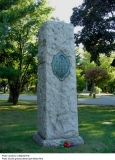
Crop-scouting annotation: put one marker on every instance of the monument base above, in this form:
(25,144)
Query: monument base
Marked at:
(55,142)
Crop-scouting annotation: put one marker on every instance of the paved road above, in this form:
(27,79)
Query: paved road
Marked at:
(103,99)
(21,97)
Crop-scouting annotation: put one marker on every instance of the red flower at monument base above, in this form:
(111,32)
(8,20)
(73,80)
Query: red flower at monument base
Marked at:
(66,144)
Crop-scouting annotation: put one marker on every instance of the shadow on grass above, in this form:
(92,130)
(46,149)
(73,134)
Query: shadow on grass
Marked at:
(22,104)
(19,123)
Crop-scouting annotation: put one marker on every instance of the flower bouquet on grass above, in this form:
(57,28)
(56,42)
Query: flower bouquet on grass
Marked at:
(67,144)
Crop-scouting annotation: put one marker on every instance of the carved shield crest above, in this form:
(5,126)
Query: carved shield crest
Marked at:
(61,65)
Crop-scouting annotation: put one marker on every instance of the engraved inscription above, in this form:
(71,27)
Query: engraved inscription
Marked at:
(61,65)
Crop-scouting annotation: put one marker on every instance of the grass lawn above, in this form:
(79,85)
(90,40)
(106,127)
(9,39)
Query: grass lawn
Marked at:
(87,96)
(19,123)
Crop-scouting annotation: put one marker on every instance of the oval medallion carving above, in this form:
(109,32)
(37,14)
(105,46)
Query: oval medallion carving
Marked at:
(61,65)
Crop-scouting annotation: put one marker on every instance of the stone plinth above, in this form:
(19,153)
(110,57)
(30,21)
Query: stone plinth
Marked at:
(57,97)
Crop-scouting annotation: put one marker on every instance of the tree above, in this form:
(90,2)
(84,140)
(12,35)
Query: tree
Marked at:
(85,63)
(97,18)
(80,80)
(82,66)
(4,5)
(105,63)
(96,76)
(18,52)
(3,83)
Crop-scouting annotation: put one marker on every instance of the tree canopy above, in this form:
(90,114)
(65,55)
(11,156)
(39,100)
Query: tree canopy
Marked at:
(97,18)
(97,75)
(20,22)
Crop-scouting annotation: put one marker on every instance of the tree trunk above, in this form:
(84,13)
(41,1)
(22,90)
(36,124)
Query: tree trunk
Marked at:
(14,95)
(15,99)
(10,99)
(92,89)
(4,89)
(106,89)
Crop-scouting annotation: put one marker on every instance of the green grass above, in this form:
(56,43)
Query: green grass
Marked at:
(86,96)
(19,123)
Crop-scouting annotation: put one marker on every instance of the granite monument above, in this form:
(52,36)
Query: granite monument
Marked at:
(56,90)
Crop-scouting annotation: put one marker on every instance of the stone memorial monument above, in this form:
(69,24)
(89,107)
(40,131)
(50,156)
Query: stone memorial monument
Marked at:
(56,92)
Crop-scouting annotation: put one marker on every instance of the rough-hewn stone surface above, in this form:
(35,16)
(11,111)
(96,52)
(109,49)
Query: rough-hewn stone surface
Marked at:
(57,103)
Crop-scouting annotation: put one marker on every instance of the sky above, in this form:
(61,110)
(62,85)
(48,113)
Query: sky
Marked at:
(63,9)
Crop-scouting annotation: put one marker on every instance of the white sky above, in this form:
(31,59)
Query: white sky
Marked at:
(64,9)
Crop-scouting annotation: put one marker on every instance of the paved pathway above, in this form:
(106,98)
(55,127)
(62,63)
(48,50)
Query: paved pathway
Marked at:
(21,97)
(103,99)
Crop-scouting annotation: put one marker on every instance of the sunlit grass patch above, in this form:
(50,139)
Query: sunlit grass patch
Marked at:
(19,123)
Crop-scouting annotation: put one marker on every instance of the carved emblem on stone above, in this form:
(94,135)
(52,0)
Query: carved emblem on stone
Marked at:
(61,65)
